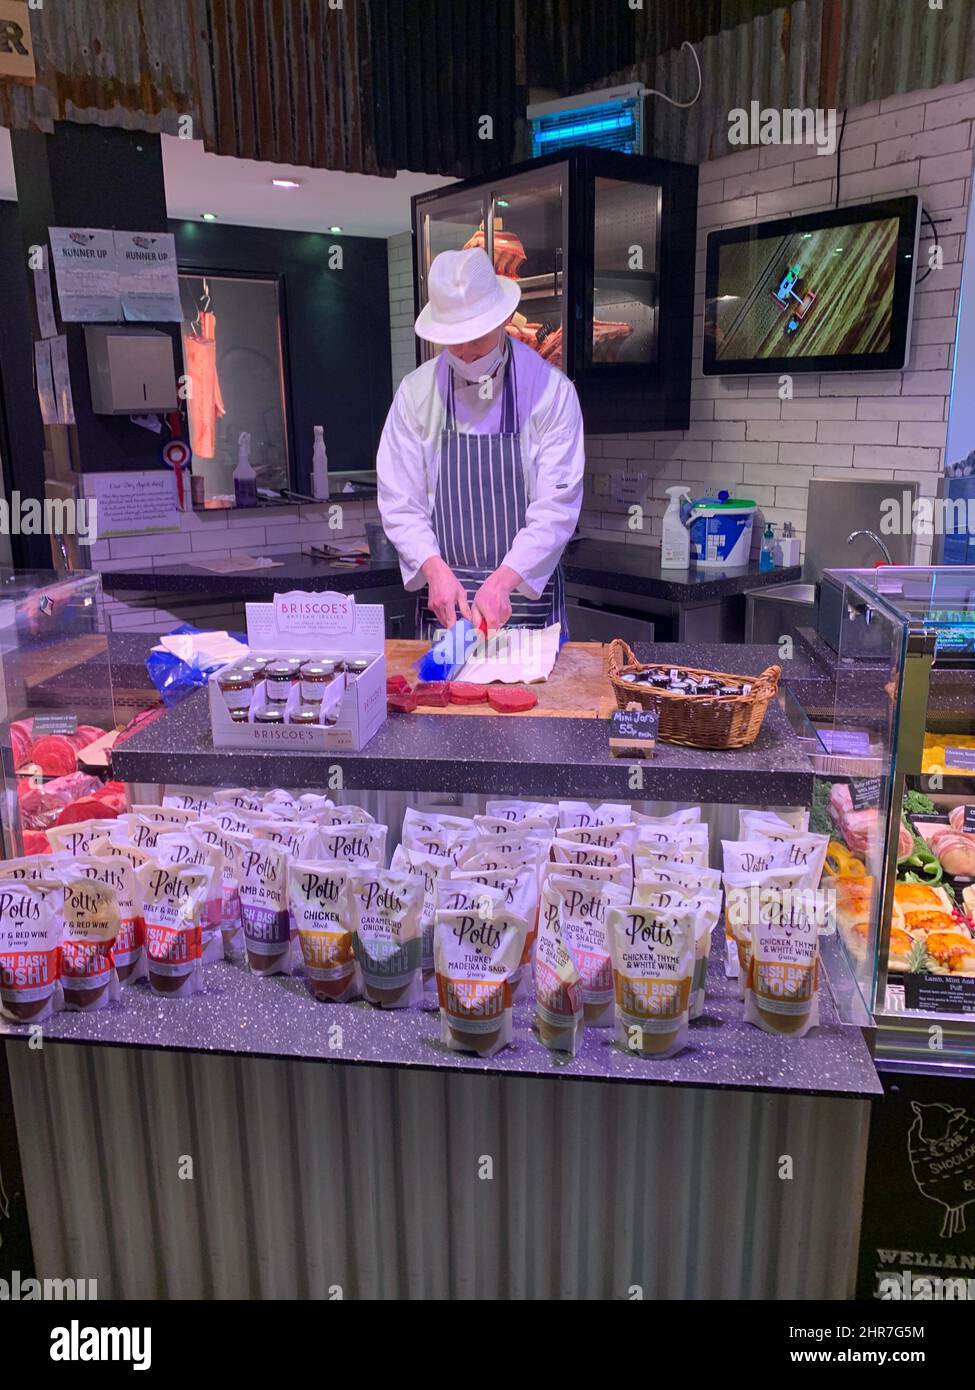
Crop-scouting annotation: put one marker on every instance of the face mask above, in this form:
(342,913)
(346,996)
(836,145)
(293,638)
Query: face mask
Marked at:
(481,366)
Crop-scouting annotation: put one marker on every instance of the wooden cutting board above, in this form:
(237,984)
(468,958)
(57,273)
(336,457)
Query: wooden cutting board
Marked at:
(578,687)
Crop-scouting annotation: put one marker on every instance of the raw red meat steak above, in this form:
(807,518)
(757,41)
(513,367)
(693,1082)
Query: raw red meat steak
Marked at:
(466,693)
(508,699)
(433,693)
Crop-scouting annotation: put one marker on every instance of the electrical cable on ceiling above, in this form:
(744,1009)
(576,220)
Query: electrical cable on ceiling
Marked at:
(653,92)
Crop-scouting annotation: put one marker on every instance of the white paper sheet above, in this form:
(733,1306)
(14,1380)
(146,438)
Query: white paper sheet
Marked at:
(86,272)
(45,381)
(44,298)
(231,564)
(517,655)
(62,380)
(216,647)
(148,282)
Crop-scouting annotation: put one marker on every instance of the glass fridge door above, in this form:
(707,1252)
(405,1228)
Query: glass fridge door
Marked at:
(448,223)
(625,277)
(529,242)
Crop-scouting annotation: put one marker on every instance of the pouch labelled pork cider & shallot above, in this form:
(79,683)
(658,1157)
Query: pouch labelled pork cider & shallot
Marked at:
(388,935)
(475,958)
(322,910)
(30,952)
(119,875)
(264,909)
(91,922)
(173,905)
(580,908)
(559,1013)
(653,971)
(208,834)
(183,848)
(429,869)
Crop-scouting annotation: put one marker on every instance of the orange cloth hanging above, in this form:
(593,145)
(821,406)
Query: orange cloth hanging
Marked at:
(204,402)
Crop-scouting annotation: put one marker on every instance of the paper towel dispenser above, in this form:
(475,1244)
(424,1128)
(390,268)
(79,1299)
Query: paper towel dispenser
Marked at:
(131,369)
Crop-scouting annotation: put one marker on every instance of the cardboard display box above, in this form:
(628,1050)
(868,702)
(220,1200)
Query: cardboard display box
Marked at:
(300,624)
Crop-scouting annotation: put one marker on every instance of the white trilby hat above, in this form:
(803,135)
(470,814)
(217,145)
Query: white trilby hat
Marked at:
(465,298)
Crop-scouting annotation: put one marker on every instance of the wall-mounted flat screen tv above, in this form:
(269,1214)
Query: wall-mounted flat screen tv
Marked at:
(821,292)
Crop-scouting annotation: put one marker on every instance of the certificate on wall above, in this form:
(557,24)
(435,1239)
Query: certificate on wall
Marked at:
(86,274)
(132,504)
(148,282)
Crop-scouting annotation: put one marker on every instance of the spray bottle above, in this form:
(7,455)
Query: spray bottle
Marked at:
(676,541)
(319,466)
(245,479)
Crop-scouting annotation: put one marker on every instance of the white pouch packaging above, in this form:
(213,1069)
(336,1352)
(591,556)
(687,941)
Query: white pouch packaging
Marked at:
(208,835)
(353,844)
(694,878)
(580,907)
(782,991)
(343,815)
(573,814)
(388,935)
(240,798)
(752,856)
(173,902)
(751,898)
(30,951)
(653,972)
(559,1010)
(704,907)
(78,837)
(199,803)
(119,875)
(801,848)
(418,823)
(475,958)
(512,810)
(264,913)
(687,815)
(489,901)
(429,869)
(621,835)
(91,919)
(323,913)
(174,816)
(299,838)
(182,847)
(798,819)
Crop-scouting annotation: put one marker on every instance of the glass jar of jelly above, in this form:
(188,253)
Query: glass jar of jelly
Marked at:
(236,687)
(317,675)
(279,677)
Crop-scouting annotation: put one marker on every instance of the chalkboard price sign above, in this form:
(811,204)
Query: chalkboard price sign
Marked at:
(633,732)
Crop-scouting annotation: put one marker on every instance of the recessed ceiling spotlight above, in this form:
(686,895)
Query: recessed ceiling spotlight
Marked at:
(335,229)
(209,216)
(286,183)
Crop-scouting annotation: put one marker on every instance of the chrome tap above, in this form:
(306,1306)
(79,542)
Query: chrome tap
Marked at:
(888,558)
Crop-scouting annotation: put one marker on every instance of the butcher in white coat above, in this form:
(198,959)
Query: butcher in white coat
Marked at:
(481,461)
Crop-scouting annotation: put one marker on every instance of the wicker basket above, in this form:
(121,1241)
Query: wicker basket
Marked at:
(697,721)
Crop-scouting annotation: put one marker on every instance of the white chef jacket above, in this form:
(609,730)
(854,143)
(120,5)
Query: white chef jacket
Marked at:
(552,451)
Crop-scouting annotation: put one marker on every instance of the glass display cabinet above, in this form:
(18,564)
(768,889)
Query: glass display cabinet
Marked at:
(55,703)
(602,246)
(903,743)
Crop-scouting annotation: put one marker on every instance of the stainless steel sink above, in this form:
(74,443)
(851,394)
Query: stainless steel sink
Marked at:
(778,610)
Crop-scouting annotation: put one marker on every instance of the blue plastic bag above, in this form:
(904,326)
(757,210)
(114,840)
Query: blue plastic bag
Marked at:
(175,679)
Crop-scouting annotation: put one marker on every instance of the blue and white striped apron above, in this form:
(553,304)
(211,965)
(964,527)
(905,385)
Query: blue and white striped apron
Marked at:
(479,508)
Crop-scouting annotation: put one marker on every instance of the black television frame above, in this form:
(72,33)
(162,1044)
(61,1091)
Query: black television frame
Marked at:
(907,209)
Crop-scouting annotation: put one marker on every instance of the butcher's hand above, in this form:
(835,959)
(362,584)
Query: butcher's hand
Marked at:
(492,602)
(445,592)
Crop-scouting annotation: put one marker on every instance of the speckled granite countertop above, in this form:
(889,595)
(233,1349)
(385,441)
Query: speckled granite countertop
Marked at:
(626,569)
(277,1017)
(518,757)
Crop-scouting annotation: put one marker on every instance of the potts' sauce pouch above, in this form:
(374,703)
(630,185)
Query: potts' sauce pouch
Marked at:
(183,848)
(748,820)
(782,990)
(475,958)
(299,838)
(281,803)
(752,856)
(564,851)
(488,902)
(264,909)
(801,848)
(208,835)
(418,823)
(388,935)
(30,952)
(429,869)
(30,869)
(697,878)
(653,970)
(77,838)
(580,813)
(174,816)
(199,804)
(621,835)
(559,1018)
(534,827)
(119,876)
(705,909)
(343,815)
(519,884)
(173,904)
(320,900)
(580,907)
(364,843)
(523,810)
(751,898)
(91,921)
(241,798)
(687,815)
